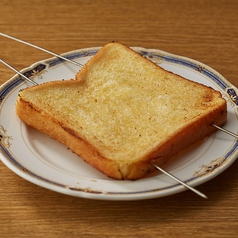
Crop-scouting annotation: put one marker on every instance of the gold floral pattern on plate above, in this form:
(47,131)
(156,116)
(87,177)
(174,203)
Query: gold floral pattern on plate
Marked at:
(4,138)
(205,169)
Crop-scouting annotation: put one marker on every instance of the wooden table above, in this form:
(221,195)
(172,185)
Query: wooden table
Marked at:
(205,30)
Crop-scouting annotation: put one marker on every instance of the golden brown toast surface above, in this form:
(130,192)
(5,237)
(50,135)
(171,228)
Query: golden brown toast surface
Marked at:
(122,112)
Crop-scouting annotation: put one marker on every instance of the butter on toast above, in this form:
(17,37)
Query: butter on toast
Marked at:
(123,112)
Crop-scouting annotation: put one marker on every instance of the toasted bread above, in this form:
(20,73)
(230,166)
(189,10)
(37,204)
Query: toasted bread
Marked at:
(123,112)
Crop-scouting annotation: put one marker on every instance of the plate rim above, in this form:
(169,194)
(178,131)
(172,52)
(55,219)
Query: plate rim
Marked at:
(223,83)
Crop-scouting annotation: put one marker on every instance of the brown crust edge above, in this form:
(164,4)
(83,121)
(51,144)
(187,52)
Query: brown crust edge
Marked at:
(193,133)
(45,123)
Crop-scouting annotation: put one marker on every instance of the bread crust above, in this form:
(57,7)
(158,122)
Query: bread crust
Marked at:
(45,123)
(180,140)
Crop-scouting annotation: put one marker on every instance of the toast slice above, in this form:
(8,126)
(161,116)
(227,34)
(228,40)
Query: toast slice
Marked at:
(123,112)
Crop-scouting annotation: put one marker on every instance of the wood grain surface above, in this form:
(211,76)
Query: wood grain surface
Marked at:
(205,30)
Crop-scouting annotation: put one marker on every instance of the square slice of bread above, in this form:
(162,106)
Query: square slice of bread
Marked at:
(122,112)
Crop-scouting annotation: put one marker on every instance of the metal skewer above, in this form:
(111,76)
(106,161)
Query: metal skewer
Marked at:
(18,72)
(226,131)
(180,181)
(40,48)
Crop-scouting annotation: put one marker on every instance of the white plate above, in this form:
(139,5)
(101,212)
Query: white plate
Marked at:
(47,163)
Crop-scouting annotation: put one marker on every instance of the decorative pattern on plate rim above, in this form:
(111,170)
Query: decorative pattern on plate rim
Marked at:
(9,87)
(214,164)
(4,138)
(155,58)
(38,70)
(232,96)
(72,56)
